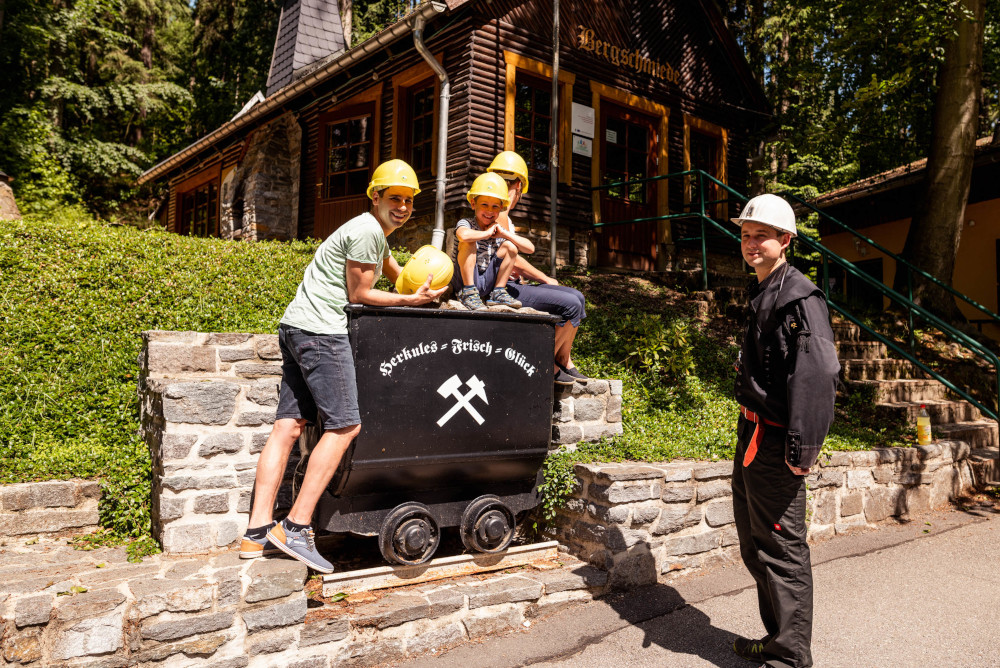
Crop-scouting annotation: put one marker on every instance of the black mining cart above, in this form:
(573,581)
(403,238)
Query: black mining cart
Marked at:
(456,420)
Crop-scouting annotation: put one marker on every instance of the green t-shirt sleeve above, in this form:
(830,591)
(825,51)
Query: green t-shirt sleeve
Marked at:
(367,247)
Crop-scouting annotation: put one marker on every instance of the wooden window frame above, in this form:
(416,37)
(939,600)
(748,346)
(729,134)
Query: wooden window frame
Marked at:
(623,98)
(337,112)
(712,130)
(404,85)
(192,183)
(540,70)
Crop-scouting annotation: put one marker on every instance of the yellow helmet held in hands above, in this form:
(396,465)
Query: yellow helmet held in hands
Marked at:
(427,261)
(509,164)
(490,185)
(393,173)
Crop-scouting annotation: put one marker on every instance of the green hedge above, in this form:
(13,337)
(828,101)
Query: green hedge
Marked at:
(75,294)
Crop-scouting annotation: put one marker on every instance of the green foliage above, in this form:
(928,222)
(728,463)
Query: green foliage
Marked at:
(373,16)
(852,84)
(74,296)
(87,87)
(30,145)
(657,347)
(558,484)
(75,293)
(231,46)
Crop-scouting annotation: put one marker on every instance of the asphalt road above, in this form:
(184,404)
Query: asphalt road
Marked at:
(926,593)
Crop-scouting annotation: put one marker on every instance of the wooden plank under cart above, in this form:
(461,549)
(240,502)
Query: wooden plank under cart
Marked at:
(386,577)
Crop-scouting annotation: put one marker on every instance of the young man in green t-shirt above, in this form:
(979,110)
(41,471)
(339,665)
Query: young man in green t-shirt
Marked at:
(317,367)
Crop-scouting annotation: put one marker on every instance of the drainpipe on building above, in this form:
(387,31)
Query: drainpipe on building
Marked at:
(437,236)
(554,135)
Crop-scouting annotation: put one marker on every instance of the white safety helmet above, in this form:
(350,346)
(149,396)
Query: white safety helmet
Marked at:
(769,210)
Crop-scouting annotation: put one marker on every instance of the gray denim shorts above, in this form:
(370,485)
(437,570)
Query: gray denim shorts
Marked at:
(317,379)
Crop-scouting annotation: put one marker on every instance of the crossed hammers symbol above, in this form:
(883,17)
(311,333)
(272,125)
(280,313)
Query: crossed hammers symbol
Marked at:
(451,387)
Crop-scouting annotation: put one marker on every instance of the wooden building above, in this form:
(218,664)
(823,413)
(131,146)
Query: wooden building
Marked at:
(881,208)
(646,87)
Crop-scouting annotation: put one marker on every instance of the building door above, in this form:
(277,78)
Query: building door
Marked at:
(704,156)
(346,155)
(628,151)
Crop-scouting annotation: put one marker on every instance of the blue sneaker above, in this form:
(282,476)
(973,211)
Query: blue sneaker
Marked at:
(251,548)
(469,297)
(500,297)
(299,545)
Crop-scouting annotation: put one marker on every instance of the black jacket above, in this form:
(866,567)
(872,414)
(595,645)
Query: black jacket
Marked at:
(788,368)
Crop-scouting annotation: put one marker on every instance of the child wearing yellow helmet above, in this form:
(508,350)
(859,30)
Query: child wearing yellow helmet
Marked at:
(548,296)
(484,251)
(317,367)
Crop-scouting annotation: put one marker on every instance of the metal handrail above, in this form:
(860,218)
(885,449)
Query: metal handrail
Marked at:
(910,267)
(829,256)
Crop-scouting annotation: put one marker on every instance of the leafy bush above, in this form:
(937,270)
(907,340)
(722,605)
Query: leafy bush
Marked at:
(75,294)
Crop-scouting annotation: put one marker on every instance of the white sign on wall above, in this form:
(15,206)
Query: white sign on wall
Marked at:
(582,122)
(583,146)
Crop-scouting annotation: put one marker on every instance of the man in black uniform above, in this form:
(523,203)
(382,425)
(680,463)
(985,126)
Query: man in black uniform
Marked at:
(786,385)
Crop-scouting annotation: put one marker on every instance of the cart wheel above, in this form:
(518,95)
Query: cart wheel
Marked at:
(487,525)
(409,535)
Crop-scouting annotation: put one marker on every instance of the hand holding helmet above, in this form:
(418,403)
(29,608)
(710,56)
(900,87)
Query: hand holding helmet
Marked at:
(428,268)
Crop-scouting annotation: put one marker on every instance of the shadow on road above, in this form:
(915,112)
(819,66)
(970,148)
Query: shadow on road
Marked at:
(670,622)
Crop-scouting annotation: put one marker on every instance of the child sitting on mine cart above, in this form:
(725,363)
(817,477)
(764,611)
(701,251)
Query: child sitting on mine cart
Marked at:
(485,251)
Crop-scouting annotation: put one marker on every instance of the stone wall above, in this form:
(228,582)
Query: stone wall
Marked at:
(207,405)
(8,205)
(260,198)
(642,522)
(46,508)
(587,412)
(93,608)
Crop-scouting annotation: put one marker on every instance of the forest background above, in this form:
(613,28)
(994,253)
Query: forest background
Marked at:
(96,91)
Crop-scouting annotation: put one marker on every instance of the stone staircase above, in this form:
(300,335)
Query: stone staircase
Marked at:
(898,389)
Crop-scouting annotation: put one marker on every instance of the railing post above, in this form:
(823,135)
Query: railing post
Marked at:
(704,247)
(909,307)
(826,277)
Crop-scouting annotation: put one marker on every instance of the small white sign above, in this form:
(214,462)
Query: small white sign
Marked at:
(611,136)
(583,146)
(582,122)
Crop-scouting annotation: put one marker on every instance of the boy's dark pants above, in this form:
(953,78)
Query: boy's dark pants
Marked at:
(769,503)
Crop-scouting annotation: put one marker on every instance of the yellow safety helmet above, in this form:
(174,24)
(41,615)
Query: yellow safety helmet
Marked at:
(426,261)
(509,163)
(490,185)
(393,173)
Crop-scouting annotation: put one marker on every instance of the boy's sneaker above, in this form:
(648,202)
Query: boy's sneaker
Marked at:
(500,297)
(252,546)
(469,297)
(751,650)
(299,545)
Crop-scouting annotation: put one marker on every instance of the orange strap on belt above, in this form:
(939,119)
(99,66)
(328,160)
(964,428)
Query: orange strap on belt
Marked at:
(758,433)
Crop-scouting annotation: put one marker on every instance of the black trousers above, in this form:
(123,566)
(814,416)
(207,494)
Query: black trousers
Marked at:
(769,503)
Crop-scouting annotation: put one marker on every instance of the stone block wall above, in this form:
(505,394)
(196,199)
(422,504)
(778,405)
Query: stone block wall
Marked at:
(260,198)
(587,412)
(207,405)
(641,522)
(45,508)
(92,608)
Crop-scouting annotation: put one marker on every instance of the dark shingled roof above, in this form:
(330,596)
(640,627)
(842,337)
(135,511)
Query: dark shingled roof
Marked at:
(309,30)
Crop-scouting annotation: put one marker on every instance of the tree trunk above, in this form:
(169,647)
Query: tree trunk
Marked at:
(347,20)
(936,228)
